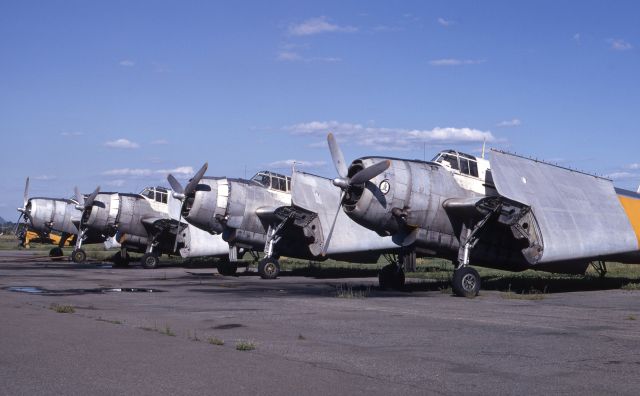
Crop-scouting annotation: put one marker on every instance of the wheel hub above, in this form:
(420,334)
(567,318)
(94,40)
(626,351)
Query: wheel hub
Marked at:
(469,282)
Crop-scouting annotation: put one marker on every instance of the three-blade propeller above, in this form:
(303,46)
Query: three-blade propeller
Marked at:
(84,204)
(181,193)
(346,183)
(23,210)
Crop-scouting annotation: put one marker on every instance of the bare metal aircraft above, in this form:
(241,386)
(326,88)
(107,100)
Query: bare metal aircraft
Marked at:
(280,216)
(45,215)
(144,224)
(511,213)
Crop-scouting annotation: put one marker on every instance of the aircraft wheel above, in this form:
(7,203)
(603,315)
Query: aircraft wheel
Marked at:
(466,282)
(119,261)
(269,268)
(227,268)
(78,256)
(391,277)
(149,261)
(56,252)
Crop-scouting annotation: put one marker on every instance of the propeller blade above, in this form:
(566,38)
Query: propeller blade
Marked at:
(326,243)
(175,243)
(336,155)
(79,197)
(175,184)
(15,229)
(370,172)
(89,201)
(26,193)
(191,187)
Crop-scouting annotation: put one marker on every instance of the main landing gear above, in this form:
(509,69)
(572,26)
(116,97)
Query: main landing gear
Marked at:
(391,276)
(227,268)
(465,282)
(121,259)
(269,268)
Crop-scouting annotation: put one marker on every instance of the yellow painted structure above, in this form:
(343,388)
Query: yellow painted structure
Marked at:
(632,208)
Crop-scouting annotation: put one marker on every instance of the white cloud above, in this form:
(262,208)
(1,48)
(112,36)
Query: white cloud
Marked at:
(160,141)
(289,56)
(127,63)
(576,38)
(445,22)
(145,172)
(298,164)
(316,26)
(44,177)
(115,183)
(510,123)
(635,166)
(622,176)
(122,143)
(620,45)
(390,138)
(455,62)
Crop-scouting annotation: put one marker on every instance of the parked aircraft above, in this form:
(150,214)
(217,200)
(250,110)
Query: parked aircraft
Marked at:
(44,215)
(144,223)
(511,213)
(280,216)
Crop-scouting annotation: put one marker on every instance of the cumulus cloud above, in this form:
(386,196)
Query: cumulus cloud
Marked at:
(622,176)
(127,63)
(298,164)
(160,141)
(145,172)
(44,177)
(635,166)
(509,123)
(455,62)
(318,25)
(71,134)
(115,183)
(289,56)
(445,22)
(620,45)
(122,143)
(390,138)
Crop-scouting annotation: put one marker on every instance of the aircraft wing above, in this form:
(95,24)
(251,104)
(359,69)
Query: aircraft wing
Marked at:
(320,199)
(579,215)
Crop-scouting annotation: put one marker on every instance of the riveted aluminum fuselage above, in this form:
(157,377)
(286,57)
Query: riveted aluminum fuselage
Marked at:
(53,214)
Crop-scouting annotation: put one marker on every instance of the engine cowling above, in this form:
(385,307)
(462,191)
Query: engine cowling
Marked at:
(207,206)
(102,215)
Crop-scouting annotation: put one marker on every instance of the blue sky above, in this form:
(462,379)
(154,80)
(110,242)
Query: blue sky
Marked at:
(117,93)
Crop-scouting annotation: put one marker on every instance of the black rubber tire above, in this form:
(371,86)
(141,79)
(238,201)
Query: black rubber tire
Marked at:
(269,268)
(149,261)
(227,268)
(119,261)
(78,256)
(391,277)
(466,282)
(56,252)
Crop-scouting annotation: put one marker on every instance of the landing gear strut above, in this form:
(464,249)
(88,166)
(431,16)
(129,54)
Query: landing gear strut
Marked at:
(121,259)
(149,260)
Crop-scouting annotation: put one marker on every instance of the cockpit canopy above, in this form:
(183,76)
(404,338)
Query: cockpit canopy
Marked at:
(273,180)
(158,194)
(464,163)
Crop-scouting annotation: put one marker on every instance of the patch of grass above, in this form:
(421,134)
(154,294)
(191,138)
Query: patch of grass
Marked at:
(348,291)
(631,317)
(446,290)
(631,286)
(301,337)
(167,331)
(193,337)
(245,345)
(62,308)
(525,296)
(215,341)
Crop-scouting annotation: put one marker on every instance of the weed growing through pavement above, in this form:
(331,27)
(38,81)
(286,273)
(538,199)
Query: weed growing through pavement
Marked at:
(167,331)
(245,345)
(192,337)
(301,337)
(631,317)
(215,341)
(531,295)
(62,308)
(631,286)
(100,319)
(347,291)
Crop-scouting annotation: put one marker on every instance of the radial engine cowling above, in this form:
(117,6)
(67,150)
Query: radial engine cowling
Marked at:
(102,215)
(206,208)
(394,201)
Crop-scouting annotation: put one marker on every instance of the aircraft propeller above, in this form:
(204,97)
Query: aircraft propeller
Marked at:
(181,193)
(23,210)
(83,203)
(344,182)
